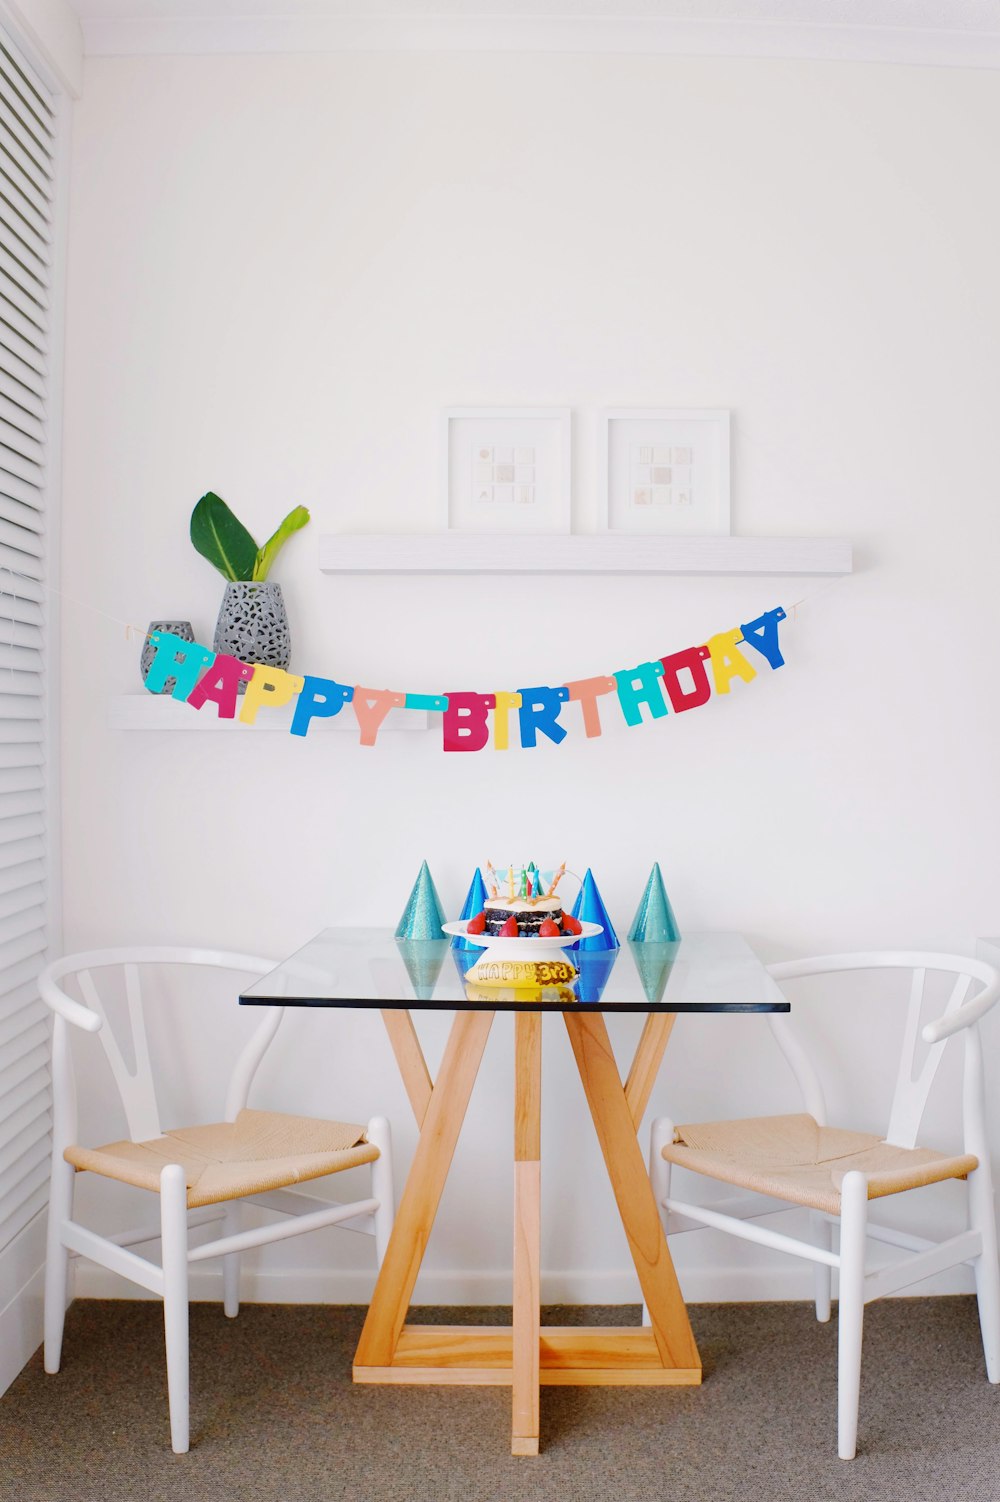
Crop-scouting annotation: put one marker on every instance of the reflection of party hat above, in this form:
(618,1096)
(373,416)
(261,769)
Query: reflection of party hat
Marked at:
(475,901)
(654,921)
(594,969)
(423,959)
(423,915)
(653,962)
(589,908)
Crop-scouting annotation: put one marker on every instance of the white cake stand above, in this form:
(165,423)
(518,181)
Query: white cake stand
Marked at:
(535,950)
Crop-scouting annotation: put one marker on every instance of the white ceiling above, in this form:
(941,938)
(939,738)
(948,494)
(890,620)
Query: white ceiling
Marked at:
(957,32)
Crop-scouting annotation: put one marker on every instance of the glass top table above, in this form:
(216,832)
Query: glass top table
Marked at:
(367,967)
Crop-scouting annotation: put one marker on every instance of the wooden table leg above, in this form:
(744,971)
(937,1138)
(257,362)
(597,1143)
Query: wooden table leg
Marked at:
(646,1064)
(422,1194)
(612,1118)
(409,1059)
(527,1215)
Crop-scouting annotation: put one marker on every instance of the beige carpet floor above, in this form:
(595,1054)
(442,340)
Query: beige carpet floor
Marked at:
(275,1417)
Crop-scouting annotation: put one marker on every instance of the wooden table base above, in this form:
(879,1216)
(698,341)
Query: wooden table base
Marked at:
(526,1355)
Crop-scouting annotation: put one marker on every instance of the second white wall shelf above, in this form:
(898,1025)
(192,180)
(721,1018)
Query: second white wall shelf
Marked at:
(599,553)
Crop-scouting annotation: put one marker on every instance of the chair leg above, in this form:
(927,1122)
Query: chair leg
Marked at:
(173,1226)
(379,1134)
(231,1225)
(661,1132)
(57,1260)
(982,1218)
(851,1311)
(822,1272)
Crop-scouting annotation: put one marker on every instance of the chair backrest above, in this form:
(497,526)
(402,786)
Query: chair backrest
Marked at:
(136,1084)
(913,1084)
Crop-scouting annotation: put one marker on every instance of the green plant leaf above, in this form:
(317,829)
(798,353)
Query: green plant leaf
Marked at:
(267,554)
(222,539)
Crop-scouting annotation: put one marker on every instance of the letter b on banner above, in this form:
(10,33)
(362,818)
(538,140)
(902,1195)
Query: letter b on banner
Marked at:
(464,721)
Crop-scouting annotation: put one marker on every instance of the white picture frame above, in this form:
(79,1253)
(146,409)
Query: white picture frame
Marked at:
(506,470)
(665,471)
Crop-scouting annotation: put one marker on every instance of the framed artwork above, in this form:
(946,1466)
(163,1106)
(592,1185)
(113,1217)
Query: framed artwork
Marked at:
(506,469)
(665,470)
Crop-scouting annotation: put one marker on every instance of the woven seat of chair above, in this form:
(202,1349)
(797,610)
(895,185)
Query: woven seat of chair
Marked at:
(795,1159)
(229,1160)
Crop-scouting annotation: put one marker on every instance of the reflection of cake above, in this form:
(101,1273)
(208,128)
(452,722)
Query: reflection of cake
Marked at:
(528,912)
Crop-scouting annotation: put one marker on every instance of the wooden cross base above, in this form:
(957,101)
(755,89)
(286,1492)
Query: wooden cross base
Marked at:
(526,1355)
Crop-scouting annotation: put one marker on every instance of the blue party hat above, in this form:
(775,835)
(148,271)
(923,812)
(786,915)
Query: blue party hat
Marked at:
(423,959)
(475,901)
(589,908)
(654,921)
(594,968)
(653,962)
(423,915)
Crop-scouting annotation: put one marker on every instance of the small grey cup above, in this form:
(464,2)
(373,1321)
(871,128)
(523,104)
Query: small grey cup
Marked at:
(182,629)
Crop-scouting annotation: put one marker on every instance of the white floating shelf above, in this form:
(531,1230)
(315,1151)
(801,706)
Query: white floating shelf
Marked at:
(601,553)
(147,711)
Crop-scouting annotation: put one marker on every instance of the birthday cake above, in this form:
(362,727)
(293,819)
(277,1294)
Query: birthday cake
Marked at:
(522,906)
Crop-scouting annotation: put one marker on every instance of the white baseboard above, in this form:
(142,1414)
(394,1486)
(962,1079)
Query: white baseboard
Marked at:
(706,1285)
(22,1281)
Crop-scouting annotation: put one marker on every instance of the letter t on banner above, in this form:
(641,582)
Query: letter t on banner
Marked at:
(587,691)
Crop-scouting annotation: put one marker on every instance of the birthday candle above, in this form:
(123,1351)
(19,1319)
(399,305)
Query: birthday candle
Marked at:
(557,879)
(491,877)
(510,884)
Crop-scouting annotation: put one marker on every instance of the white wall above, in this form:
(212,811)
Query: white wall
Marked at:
(281,270)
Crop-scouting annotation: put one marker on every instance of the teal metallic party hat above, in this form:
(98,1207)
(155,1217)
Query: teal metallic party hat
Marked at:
(475,901)
(654,921)
(423,959)
(589,908)
(653,962)
(423,914)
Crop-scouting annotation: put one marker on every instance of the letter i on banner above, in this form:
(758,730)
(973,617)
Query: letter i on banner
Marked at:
(504,702)
(464,722)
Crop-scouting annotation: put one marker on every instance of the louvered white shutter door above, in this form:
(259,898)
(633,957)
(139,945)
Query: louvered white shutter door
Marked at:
(28,124)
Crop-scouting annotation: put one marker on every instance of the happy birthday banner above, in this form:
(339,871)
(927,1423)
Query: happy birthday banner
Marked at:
(674,684)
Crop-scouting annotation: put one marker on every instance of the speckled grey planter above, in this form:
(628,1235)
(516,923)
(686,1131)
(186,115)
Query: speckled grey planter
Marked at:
(253,626)
(177,628)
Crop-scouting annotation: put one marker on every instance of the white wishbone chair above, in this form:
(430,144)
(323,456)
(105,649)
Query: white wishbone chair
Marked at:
(799,1160)
(202,1174)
